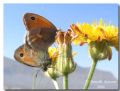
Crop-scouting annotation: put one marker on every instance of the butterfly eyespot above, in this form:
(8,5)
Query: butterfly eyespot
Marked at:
(21,55)
(32,18)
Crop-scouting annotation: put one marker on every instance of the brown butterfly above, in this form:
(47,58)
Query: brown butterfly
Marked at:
(32,58)
(40,35)
(40,31)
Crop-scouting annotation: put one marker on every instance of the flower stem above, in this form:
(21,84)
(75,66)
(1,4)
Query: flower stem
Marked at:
(55,84)
(65,81)
(90,75)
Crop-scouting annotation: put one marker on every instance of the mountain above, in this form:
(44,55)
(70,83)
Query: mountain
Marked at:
(19,76)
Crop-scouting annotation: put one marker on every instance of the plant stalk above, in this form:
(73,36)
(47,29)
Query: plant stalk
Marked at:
(65,81)
(90,75)
(55,84)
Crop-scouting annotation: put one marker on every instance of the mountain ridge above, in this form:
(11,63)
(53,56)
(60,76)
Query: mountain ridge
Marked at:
(15,73)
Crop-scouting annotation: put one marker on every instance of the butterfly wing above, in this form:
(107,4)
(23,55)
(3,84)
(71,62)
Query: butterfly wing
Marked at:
(40,39)
(29,57)
(40,31)
(26,56)
(33,21)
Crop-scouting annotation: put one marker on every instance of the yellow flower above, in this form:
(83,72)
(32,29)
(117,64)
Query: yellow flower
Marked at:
(78,35)
(111,35)
(86,33)
(53,53)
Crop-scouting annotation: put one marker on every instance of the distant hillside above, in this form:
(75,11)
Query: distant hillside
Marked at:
(17,75)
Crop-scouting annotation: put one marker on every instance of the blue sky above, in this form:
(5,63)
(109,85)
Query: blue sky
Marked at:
(61,15)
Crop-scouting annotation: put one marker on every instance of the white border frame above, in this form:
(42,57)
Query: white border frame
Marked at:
(35,1)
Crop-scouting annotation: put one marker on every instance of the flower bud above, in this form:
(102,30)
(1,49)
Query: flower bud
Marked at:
(65,63)
(60,37)
(52,72)
(100,50)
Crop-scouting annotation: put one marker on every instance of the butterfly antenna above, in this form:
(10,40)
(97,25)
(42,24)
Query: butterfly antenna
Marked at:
(35,74)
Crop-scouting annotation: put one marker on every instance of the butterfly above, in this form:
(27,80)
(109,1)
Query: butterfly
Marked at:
(40,35)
